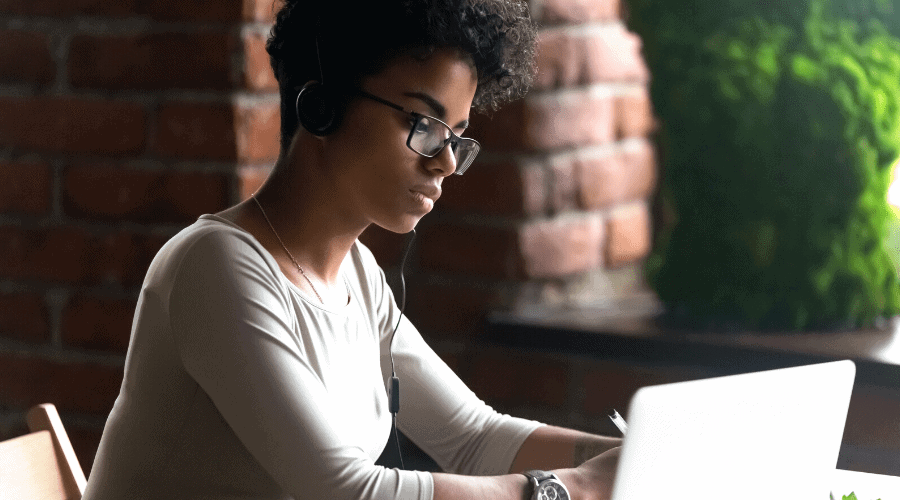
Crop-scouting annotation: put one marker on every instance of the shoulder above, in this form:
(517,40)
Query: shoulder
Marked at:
(363,256)
(208,243)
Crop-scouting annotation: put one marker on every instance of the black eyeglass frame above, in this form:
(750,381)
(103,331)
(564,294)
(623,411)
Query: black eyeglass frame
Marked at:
(418,116)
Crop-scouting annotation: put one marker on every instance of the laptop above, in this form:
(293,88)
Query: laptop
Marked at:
(771,435)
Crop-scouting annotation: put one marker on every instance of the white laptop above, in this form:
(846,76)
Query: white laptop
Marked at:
(768,435)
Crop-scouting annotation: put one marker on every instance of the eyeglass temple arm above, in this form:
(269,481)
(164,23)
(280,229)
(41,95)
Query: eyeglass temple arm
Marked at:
(382,101)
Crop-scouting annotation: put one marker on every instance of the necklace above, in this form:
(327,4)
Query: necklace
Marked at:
(288,252)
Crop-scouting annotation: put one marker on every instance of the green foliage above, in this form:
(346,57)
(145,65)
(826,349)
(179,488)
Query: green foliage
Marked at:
(851,496)
(780,125)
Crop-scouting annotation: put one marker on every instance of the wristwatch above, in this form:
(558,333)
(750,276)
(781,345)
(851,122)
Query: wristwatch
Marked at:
(546,486)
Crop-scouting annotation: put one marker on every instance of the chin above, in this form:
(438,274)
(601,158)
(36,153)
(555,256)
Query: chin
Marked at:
(402,225)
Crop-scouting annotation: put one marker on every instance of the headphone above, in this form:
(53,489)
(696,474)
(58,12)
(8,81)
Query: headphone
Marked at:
(319,110)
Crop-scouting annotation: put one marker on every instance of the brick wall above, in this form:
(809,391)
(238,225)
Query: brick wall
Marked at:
(122,121)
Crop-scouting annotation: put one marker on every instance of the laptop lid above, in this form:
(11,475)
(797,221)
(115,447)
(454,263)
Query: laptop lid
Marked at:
(761,436)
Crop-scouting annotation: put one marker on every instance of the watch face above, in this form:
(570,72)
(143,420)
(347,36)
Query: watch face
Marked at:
(552,490)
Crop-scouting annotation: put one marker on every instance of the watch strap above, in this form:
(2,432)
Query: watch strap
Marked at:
(539,475)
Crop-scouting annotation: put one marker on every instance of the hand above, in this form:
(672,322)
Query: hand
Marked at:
(593,480)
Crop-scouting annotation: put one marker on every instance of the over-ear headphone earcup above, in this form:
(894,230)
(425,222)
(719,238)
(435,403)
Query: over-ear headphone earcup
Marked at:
(317,109)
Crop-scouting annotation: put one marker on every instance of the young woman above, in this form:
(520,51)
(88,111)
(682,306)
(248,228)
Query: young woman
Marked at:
(264,338)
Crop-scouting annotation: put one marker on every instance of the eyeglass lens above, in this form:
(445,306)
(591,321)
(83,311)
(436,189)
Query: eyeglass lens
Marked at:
(429,136)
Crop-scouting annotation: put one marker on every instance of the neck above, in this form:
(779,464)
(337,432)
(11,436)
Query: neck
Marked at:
(299,205)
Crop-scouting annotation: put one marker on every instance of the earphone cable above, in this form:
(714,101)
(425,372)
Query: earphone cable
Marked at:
(395,382)
(402,298)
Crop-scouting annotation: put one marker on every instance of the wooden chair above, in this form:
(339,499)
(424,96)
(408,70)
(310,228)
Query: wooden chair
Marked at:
(41,465)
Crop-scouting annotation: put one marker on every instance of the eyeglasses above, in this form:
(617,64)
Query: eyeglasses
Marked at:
(428,136)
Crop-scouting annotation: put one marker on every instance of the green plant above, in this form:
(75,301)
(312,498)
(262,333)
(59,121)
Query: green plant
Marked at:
(778,133)
(851,496)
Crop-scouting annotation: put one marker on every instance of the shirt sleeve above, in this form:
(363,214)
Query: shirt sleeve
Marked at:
(232,325)
(438,412)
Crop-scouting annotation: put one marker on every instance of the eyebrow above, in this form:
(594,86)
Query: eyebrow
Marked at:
(434,104)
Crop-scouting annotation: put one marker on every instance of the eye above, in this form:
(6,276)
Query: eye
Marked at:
(422,125)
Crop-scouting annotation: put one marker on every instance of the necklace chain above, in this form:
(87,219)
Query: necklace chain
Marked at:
(288,252)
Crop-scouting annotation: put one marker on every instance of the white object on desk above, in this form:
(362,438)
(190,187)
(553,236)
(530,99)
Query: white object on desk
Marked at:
(772,434)
(866,486)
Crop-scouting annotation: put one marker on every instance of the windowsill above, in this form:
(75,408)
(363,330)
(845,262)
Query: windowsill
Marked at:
(636,334)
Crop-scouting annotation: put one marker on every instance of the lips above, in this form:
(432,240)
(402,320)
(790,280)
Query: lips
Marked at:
(428,190)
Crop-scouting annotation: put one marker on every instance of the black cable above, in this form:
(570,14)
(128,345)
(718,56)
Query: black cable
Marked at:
(395,382)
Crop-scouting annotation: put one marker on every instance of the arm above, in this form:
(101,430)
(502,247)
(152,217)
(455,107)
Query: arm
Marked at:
(551,447)
(236,334)
(592,480)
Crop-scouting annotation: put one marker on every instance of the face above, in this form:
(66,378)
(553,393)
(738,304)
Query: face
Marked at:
(381,180)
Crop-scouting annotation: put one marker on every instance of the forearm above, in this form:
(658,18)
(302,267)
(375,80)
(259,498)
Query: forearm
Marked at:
(550,447)
(459,487)
(507,487)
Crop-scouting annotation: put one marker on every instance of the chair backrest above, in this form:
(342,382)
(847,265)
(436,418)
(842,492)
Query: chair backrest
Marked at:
(41,465)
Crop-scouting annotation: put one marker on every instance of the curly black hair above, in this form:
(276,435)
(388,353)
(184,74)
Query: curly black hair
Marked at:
(358,38)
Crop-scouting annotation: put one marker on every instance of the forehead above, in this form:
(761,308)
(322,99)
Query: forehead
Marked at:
(445,74)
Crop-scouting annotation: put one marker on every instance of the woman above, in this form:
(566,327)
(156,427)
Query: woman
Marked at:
(264,338)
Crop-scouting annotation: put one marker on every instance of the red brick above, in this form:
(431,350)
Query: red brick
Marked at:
(534,183)
(522,380)
(25,187)
(565,185)
(258,128)
(75,386)
(151,61)
(195,10)
(640,161)
(56,8)
(634,115)
(629,235)
(251,178)
(506,188)
(578,11)
(164,10)
(109,192)
(625,176)
(73,255)
(24,317)
(549,121)
(196,131)
(72,125)
(25,58)
(502,130)
(559,58)
(471,250)
(614,54)
(571,56)
(568,119)
(97,323)
(260,10)
(258,73)
(560,247)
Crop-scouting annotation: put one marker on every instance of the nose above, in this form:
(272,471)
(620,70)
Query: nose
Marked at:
(443,163)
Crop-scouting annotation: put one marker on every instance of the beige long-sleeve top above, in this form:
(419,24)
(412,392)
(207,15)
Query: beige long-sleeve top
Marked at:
(237,385)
